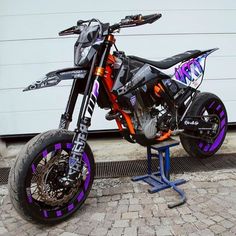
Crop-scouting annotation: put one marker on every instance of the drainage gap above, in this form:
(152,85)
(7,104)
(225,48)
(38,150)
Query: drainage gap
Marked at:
(139,167)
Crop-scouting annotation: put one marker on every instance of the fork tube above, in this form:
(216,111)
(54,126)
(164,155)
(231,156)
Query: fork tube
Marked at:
(66,118)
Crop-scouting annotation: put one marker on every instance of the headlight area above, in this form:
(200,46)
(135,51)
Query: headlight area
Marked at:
(81,54)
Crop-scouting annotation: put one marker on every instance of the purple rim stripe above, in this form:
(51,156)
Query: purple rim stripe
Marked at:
(30,200)
(218,140)
(218,107)
(222,123)
(80,197)
(45,213)
(69,145)
(206,148)
(86,160)
(71,207)
(33,168)
(45,153)
(200,145)
(222,114)
(212,104)
(58,146)
(58,213)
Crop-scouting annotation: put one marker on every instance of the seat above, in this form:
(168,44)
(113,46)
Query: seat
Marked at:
(169,62)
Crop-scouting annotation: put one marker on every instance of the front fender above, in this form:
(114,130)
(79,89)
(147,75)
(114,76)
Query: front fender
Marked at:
(55,77)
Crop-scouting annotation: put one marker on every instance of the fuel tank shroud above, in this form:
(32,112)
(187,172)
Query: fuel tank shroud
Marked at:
(135,80)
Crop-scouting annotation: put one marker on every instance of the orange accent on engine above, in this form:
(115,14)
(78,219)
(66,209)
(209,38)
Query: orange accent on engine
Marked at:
(157,90)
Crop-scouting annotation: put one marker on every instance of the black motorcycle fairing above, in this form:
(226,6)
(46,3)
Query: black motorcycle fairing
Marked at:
(142,76)
(55,77)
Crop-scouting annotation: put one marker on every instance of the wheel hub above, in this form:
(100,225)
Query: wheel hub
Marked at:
(51,191)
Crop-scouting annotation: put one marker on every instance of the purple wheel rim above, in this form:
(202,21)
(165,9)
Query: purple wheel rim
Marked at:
(217,109)
(77,199)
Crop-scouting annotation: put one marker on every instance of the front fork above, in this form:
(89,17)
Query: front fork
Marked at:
(80,138)
(84,121)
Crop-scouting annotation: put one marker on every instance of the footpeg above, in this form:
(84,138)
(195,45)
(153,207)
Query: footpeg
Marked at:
(111,115)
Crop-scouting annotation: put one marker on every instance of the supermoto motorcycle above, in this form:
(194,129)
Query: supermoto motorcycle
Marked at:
(54,171)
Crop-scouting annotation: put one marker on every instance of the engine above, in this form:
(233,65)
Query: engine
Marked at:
(152,122)
(139,90)
(146,124)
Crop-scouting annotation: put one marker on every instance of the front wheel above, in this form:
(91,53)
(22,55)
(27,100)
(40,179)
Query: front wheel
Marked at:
(34,186)
(206,104)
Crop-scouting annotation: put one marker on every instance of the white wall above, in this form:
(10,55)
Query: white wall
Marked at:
(30,47)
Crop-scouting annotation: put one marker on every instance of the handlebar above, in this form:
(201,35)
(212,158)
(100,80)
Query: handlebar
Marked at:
(128,21)
(135,20)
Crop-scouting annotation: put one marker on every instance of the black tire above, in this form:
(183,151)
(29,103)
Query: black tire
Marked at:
(28,165)
(212,104)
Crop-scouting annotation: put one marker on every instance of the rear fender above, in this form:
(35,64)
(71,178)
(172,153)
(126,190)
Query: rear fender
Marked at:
(190,73)
(55,77)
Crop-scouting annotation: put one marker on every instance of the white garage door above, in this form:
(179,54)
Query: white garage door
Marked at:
(30,47)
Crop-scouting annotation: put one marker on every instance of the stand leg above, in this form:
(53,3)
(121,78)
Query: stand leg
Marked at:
(149,159)
(171,184)
(167,163)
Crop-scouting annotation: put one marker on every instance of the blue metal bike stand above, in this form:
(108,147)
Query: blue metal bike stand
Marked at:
(161,180)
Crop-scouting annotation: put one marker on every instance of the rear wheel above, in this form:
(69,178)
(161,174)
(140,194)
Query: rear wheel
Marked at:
(206,104)
(34,182)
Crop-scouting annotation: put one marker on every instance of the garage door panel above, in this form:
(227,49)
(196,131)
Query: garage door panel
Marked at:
(225,89)
(48,26)
(20,76)
(60,50)
(42,99)
(11,7)
(39,121)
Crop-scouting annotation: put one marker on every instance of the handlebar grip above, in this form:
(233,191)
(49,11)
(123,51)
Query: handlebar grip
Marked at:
(70,31)
(134,17)
(151,18)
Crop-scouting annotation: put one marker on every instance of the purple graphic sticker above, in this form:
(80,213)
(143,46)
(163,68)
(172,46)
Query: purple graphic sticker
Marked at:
(95,90)
(133,100)
(189,71)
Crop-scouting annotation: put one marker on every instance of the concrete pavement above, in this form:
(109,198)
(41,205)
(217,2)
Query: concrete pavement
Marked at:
(121,207)
(115,149)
